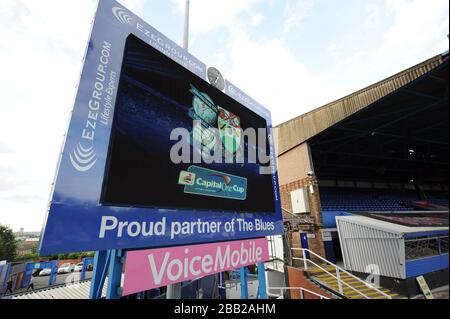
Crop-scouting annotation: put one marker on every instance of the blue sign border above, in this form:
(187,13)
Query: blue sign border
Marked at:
(74,216)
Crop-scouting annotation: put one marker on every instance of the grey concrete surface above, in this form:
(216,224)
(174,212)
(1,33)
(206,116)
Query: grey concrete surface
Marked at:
(41,282)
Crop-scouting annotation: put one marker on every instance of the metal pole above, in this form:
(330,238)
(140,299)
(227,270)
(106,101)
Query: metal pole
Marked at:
(262,289)
(244,283)
(305,263)
(101,262)
(338,273)
(222,289)
(114,275)
(186,27)
(174,291)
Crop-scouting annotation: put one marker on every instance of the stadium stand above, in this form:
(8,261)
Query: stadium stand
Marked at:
(438,198)
(382,149)
(356,200)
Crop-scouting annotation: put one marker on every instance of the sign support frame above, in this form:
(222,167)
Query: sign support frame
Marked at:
(262,287)
(244,283)
(114,290)
(101,261)
(174,291)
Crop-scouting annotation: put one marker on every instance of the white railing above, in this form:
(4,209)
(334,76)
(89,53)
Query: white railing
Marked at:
(301,289)
(337,275)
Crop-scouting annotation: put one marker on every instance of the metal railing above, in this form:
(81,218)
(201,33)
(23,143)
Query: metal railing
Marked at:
(337,275)
(301,290)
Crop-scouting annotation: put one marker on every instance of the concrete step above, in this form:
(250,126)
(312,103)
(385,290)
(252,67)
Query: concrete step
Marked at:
(370,298)
(350,281)
(363,288)
(394,296)
(325,275)
(329,281)
(335,284)
(332,283)
(318,270)
(376,296)
(368,293)
(372,294)
(326,292)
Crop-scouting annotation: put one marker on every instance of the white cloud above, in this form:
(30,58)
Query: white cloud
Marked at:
(373,19)
(53,19)
(270,72)
(42,46)
(296,11)
(402,33)
(136,6)
(266,69)
(257,19)
(207,15)
(420,27)
(41,49)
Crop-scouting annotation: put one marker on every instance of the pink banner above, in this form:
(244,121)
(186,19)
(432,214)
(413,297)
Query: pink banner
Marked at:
(153,268)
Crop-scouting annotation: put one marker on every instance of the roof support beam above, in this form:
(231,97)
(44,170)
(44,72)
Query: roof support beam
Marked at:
(385,115)
(430,127)
(388,124)
(408,115)
(367,168)
(434,77)
(332,141)
(410,138)
(420,94)
(372,156)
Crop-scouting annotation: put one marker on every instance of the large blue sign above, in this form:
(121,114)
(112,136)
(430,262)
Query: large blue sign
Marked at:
(118,185)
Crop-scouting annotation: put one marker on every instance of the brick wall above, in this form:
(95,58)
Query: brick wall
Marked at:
(315,244)
(314,199)
(70,261)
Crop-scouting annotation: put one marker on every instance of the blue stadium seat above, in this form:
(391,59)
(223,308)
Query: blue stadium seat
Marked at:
(360,200)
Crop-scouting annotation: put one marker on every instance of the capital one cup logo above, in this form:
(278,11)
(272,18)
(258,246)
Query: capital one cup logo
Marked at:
(122,15)
(83,159)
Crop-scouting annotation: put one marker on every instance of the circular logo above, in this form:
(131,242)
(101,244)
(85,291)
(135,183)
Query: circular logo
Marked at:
(216,78)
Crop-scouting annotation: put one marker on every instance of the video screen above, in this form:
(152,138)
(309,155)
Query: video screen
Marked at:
(156,95)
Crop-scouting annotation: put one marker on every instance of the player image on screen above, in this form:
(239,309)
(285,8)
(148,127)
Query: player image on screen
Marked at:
(156,95)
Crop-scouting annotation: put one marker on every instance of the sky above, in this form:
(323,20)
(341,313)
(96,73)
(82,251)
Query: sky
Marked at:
(290,55)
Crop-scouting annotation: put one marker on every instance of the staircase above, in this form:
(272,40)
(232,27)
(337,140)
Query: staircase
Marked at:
(339,281)
(352,288)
